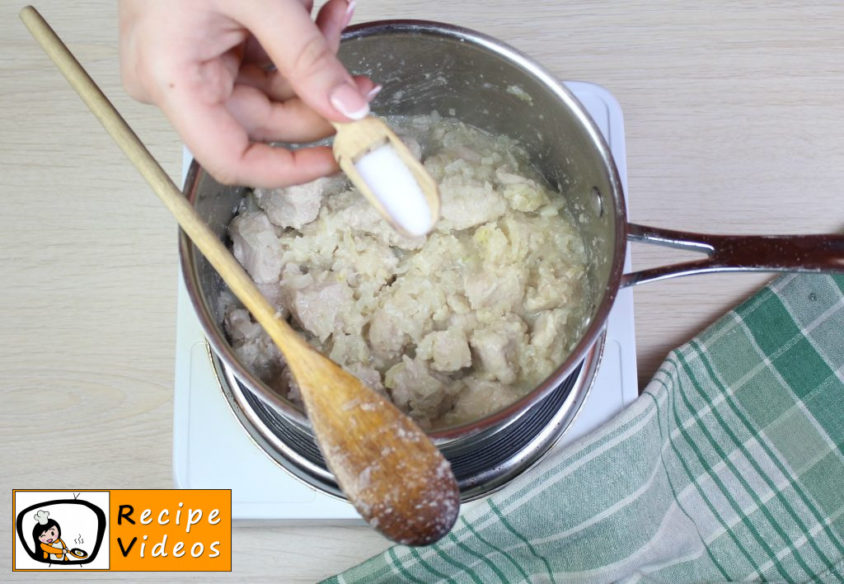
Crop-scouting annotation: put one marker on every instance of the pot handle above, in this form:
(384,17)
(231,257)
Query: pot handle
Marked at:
(739,253)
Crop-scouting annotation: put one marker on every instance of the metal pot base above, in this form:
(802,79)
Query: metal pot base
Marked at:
(481,463)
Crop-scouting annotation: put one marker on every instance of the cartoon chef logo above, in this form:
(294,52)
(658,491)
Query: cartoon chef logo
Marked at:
(60,533)
(47,538)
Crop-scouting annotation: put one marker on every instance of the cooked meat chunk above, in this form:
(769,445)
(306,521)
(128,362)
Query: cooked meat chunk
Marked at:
(447,350)
(296,205)
(452,326)
(499,347)
(256,246)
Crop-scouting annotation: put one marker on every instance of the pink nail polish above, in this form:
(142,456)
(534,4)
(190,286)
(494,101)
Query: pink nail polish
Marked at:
(350,12)
(373,92)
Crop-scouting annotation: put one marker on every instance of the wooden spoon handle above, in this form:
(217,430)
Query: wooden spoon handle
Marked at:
(189,220)
(390,470)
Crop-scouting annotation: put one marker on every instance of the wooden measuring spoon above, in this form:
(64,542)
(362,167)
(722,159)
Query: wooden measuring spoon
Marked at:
(387,467)
(396,193)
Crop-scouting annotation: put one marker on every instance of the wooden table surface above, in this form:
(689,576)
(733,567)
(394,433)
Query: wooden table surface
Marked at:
(734,118)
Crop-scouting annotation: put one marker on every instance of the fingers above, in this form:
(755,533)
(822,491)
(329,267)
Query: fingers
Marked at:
(304,54)
(270,82)
(367,87)
(332,18)
(255,54)
(220,142)
(222,135)
(258,70)
(265,120)
(290,120)
(225,105)
(277,88)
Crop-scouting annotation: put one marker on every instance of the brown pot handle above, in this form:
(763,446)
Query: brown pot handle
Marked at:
(739,253)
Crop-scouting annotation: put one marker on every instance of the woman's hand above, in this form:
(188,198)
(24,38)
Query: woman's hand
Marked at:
(232,75)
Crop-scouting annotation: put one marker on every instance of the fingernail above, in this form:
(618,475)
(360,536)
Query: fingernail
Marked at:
(350,11)
(349,102)
(373,92)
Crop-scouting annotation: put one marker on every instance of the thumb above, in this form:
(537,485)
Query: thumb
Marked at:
(305,57)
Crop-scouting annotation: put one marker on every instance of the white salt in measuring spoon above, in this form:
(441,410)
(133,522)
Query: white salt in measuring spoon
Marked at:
(380,165)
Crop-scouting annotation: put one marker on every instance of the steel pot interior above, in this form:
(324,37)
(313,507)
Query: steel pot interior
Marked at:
(426,67)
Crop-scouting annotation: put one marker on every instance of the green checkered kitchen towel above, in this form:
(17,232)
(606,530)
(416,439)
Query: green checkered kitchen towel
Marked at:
(730,466)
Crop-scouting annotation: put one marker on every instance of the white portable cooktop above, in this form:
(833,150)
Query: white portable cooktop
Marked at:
(211,450)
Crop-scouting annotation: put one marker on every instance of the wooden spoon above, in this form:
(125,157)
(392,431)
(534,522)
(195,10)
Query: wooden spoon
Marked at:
(388,468)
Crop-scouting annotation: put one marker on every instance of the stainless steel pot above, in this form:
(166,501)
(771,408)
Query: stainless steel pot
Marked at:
(427,66)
